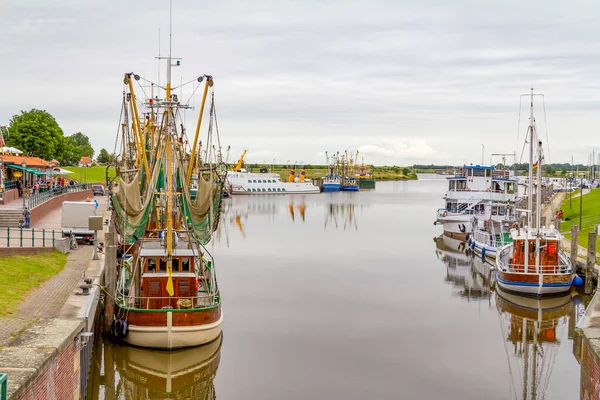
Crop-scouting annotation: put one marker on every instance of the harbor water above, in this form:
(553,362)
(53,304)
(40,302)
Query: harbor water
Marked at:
(348,296)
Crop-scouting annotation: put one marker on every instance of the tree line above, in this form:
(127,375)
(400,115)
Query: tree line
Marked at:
(37,134)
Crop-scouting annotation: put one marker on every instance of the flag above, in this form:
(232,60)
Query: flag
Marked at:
(169,287)
(535,165)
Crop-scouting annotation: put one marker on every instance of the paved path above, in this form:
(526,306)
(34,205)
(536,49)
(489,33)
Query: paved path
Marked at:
(48,299)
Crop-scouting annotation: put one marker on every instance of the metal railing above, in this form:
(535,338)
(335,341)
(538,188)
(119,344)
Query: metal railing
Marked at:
(202,299)
(10,184)
(3,386)
(35,200)
(29,237)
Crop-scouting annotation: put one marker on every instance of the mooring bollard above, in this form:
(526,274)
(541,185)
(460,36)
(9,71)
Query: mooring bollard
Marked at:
(591,262)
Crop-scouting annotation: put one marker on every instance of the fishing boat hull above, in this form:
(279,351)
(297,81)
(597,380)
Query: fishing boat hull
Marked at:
(366,183)
(170,330)
(331,187)
(534,284)
(350,188)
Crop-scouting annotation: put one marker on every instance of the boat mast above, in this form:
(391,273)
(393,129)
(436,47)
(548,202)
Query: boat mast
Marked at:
(538,207)
(530,185)
(169,172)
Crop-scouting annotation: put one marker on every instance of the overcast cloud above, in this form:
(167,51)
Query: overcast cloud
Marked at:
(403,82)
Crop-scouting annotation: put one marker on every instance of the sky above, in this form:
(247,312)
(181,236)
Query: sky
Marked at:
(402,82)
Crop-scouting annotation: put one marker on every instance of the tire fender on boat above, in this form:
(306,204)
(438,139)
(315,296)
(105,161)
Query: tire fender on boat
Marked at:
(124,330)
(483,253)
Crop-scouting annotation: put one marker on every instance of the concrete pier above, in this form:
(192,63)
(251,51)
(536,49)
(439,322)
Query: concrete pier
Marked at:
(45,347)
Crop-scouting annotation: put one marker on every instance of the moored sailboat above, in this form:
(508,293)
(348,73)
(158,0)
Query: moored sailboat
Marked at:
(534,262)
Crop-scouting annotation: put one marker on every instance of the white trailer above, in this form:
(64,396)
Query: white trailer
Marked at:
(75,219)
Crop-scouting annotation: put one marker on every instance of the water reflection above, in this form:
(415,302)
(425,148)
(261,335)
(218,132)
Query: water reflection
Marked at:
(341,215)
(127,372)
(239,212)
(532,329)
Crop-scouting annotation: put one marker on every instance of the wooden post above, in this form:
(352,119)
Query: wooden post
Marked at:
(591,262)
(574,246)
(110,276)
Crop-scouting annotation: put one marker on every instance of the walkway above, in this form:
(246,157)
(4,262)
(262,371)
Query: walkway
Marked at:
(47,300)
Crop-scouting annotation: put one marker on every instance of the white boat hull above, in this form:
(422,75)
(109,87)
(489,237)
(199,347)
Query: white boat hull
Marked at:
(536,289)
(173,337)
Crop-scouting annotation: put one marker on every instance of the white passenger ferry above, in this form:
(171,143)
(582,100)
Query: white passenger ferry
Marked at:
(242,182)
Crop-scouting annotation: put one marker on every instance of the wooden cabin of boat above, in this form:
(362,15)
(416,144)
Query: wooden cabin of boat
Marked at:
(534,264)
(190,317)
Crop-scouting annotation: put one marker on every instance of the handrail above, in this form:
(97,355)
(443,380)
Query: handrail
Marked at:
(29,237)
(201,300)
(3,386)
(39,198)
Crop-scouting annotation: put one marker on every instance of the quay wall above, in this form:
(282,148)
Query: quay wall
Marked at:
(590,364)
(43,209)
(60,379)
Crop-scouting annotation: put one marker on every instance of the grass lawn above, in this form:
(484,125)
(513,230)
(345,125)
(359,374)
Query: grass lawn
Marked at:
(321,172)
(90,174)
(22,273)
(590,215)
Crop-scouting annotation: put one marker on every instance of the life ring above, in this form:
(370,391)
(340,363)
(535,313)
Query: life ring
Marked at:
(445,213)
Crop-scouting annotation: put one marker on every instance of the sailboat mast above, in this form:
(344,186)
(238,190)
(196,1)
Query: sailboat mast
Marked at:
(538,208)
(530,186)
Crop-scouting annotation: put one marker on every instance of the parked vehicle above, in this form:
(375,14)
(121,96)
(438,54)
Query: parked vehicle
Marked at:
(98,190)
(75,220)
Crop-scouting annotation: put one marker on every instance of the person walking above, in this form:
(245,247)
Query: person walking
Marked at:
(26,217)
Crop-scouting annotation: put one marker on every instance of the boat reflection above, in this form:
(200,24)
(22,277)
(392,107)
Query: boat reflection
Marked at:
(134,373)
(468,275)
(532,329)
(341,215)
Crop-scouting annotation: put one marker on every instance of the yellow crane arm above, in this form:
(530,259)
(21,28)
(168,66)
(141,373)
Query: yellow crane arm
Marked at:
(137,128)
(238,166)
(209,82)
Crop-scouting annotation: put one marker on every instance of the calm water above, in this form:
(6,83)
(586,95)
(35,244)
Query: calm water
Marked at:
(348,296)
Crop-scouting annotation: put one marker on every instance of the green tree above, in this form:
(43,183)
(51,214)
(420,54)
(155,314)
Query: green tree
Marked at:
(36,133)
(103,156)
(405,171)
(71,153)
(83,142)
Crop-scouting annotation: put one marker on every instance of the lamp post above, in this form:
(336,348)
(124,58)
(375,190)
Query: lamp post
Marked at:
(23,164)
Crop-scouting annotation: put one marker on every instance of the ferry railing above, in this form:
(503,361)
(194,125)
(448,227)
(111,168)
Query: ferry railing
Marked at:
(3,386)
(29,237)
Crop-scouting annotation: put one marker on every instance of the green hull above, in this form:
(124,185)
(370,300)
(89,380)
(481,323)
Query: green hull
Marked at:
(366,183)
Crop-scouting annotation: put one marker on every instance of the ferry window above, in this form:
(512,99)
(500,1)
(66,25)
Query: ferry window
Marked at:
(163,265)
(175,264)
(478,172)
(249,180)
(185,265)
(269,189)
(283,189)
(254,181)
(151,264)
(488,172)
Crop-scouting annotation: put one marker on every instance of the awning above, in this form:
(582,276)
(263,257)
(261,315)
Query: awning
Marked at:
(30,170)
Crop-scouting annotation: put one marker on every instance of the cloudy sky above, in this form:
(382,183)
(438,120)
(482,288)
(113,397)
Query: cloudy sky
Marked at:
(404,82)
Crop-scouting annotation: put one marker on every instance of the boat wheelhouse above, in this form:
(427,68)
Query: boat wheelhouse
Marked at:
(491,228)
(534,263)
(469,188)
(191,316)
(332,183)
(350,185)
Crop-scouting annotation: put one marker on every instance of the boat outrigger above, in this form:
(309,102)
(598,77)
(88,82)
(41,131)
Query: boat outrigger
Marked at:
(167,294)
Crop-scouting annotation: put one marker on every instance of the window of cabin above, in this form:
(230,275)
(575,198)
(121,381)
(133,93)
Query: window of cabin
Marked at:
(184,286)
(162,264)
(151,263)
(488,172)
(154,288)
(478,172)
(185,265)
(175,264)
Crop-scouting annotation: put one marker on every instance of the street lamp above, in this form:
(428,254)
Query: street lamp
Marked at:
(23,165)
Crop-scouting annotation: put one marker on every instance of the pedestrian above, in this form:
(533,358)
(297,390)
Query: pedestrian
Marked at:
(26,217)
(20,188)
